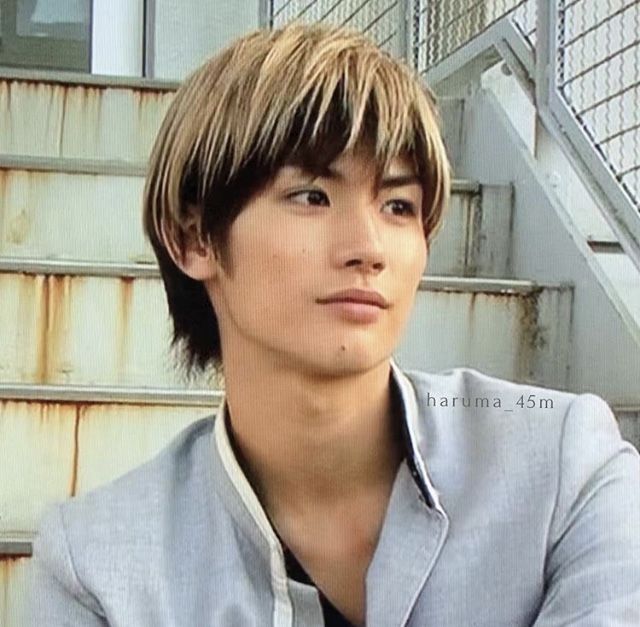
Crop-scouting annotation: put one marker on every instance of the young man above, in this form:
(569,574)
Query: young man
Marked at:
(293,190)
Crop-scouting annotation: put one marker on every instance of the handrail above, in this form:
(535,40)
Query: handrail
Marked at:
(564,85)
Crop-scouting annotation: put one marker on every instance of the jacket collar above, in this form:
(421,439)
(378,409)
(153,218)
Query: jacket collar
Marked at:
(414,434)
(413,533)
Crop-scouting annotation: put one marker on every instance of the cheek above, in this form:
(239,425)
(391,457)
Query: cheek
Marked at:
(414,258)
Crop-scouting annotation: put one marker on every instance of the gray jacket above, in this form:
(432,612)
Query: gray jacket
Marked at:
(512,516)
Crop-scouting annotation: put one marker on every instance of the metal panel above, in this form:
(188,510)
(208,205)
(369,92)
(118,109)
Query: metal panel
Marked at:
(79,121)
(52,451)
(113,331)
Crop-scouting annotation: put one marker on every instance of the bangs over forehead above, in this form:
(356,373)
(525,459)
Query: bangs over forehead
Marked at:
(300,95)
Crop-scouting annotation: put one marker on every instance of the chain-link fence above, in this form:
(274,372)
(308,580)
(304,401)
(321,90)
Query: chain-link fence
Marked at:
(382,20)
(598,75)
(435,29)
(441,28)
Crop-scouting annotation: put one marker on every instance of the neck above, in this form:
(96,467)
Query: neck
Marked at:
(314,442)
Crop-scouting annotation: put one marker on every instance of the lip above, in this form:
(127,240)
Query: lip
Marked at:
(365,297)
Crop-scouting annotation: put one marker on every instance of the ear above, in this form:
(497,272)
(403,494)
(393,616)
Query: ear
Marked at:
(199,261)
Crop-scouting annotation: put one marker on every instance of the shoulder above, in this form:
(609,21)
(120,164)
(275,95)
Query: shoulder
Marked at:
(149,485)
(466,394)
(521,424)
(127,514)
(465,381)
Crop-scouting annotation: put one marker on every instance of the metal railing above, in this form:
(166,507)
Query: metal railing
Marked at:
(444,27)
(423,32)
(583,58)
(598,76)
(384,21)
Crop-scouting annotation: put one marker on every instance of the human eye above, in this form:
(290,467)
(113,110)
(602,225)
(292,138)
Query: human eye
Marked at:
(312,192)
(408,208)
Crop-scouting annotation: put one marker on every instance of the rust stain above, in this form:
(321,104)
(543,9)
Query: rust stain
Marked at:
(9,562)
(74,466)
(9,85)
(43,413)
(43,322)
(54,312)
(63,116)
(126,294)
(531,337)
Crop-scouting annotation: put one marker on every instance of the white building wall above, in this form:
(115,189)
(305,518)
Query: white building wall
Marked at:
(187,33)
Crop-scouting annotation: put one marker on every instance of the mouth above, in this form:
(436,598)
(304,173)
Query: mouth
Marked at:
(358,297)
(355,311)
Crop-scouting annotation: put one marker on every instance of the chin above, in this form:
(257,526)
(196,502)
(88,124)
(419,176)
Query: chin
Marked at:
(343,359)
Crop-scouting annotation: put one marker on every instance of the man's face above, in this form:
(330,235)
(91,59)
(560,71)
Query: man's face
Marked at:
(298,242)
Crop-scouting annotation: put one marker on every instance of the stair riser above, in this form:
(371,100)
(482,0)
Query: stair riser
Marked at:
(79,121)
(113,331)
(52,215)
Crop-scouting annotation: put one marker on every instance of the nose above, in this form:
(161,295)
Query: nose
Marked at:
(359,240)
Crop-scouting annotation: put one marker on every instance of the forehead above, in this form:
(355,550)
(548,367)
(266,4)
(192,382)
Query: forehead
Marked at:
(351,165)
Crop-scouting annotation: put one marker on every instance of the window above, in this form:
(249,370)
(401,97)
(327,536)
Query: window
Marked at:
(46,34)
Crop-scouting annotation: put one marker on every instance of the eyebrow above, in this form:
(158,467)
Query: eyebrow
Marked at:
(399,180)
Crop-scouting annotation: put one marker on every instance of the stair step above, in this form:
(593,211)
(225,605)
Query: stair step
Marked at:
(454,323)
(48,207)
(81,329)
(115,395)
